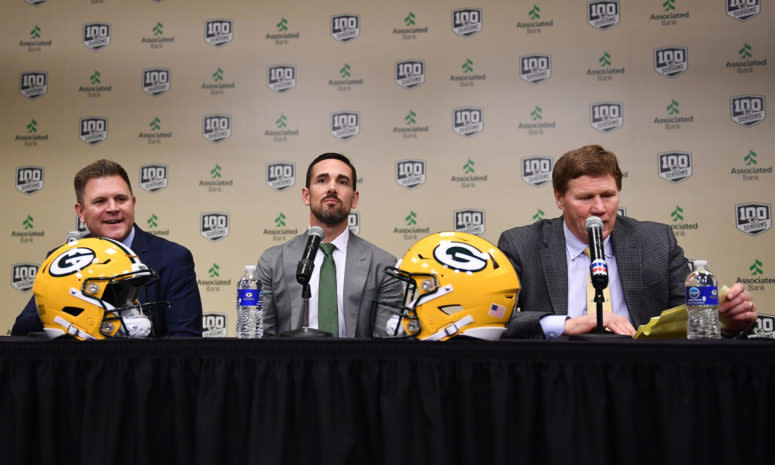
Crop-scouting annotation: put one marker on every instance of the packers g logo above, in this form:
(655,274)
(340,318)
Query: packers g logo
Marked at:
(218,32)
(467,21)
(354,222)
(603,15)
(345,28)
(410,173)
(33,84)
(214,325)
(743,9)
(753,218)
(671,61)
(280,176)
(96,35)
(153,178)
(606,116)
(410,73)
(281,78)
(469,221)
(460,256)
(467,121)
(216,128)
(23,276)
(535,68)
(537,170)
(674,166)
(93,130)
(156,81)
(29,179)
(214,226)
(748,110)
(345,124)
(71,261)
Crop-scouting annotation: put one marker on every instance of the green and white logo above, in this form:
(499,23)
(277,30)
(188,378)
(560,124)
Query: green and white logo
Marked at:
(35,43)
(409,29)
(27,232)
(31,135)
(214,283)
(282,36)
(281,132)
(409,229)
(157,39)
(215,182)
(467,76)
(669,14)
(674,119)
(218,84)
(678,225)
(606,69)
(750,171)
(536,125)
(745,62)
(410,129)
(280,231)
(95,85)
(470,178)
(537,21)
(155,135)
(345,80)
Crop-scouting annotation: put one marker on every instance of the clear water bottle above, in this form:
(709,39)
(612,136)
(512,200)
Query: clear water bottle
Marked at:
(250,318)
(702,303)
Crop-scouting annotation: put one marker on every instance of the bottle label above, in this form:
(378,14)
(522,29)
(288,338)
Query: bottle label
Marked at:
(701,295)
(248,297)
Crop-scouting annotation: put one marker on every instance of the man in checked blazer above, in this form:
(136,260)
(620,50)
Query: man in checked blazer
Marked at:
(647,267)
(330,193)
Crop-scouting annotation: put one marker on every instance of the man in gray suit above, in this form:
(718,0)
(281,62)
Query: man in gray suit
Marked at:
(330,194)
(646,266)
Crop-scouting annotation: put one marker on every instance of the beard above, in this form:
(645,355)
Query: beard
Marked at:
(330,216)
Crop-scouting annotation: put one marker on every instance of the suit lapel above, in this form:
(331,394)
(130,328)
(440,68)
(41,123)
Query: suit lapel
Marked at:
(292,252)
(555,266)
(356,269)
(628,261)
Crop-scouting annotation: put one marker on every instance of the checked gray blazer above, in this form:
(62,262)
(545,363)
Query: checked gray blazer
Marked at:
(652,270)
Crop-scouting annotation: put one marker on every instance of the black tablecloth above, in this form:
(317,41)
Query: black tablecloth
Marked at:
(386,402)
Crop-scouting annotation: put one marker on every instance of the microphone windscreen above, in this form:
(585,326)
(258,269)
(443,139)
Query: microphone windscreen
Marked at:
(593,221)
(316,231)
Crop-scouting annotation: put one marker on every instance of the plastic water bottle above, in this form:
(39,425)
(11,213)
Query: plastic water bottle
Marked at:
(250,318)
(702,303)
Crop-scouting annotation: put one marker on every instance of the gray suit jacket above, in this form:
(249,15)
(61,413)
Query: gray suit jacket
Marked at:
(652,270)
(365,281)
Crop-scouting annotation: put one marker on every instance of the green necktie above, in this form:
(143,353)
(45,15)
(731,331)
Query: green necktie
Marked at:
(328,313)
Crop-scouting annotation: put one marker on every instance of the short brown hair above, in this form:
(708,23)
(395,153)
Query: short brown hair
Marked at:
(98,169)
(329,156)
(590,160)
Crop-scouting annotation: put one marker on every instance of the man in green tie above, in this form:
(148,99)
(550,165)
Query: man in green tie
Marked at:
(348,273)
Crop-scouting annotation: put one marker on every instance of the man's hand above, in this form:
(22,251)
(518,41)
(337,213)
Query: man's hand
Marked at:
(737,312)
(587,323)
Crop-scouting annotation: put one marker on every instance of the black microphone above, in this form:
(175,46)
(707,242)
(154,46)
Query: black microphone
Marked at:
(74,236)
(307,263)
(598,268)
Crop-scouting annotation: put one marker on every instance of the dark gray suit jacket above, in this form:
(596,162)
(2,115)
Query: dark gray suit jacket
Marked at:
(652,270)
(365,280)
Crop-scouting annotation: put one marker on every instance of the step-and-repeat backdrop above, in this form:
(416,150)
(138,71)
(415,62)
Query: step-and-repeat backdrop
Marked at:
(453,112)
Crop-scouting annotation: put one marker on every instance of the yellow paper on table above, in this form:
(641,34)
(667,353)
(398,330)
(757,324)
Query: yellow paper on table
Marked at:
(671,324)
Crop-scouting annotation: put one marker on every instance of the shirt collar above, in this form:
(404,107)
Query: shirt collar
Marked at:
(129,238)
(342,240)
(574,247)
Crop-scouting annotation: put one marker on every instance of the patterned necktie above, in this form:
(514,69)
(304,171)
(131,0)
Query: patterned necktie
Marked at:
(328,313)
(591,305)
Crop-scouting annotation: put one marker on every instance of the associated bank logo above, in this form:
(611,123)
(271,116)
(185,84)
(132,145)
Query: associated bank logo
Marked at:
(33,84)
(743,9)
(96,36)
(467,21)
(280,175)
(31,135)
(409,228)
(156,135)
(346,81)
(282,36)
(280,232)
(751,172)
(674,166)
(745,64)
(153,178)
(410,73)
(668,16)
(411,173)
(215,181)
(409,29)
(674,119)
(345,124)
(93,130)
(535,68)
(217,85)
(536,124)
(218,32)
(152,223)
(469,179)
(678,225)
(156,81)
(23,276)
(537,170)
(214,325)
(216,128)
(27,233)
(748,110)
(281,131)
(469,221)
(671,61)
(158,39)
(603,15)
(281,78)
(214,226)
(467,121)
(95,86)
(345,28)
(29,179)
(214,284)
(410,129)
(606,70)
(468,76)
(537,21)
(35,43)
(753,218)
(606,116)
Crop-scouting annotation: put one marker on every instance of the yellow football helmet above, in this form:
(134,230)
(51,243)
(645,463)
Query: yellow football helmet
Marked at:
(88,288)
(456,284)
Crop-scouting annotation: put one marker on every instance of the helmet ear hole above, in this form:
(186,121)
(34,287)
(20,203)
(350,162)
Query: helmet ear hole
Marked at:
(75,311)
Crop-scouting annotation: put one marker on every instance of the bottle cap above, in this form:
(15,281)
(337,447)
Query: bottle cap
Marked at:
(698,263)
(250,267)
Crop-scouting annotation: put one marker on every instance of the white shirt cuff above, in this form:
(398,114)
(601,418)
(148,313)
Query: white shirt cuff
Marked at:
(553,325)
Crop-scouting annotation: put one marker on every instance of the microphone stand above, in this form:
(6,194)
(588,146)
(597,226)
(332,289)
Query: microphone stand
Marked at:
(305,330)
(600,333)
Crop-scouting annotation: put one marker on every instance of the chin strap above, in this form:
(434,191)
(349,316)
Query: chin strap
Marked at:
(71,329)
(450,329)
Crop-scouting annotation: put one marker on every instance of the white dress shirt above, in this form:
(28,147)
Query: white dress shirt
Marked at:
(340,260)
